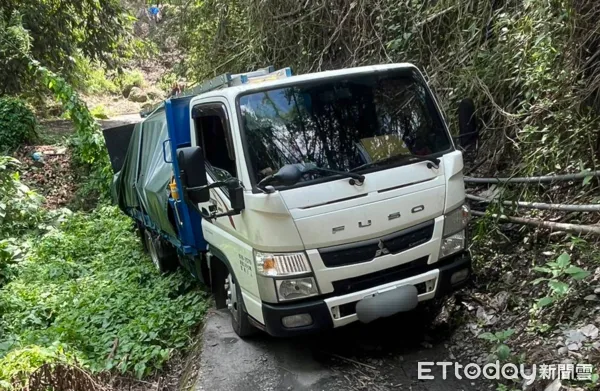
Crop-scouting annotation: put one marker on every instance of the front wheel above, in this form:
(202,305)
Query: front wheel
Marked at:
(235,303)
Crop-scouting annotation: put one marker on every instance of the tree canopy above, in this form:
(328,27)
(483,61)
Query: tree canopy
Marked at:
(56,32)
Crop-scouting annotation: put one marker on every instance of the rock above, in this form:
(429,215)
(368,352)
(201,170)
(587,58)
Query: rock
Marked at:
(155,93)
(473,328)
(563,351)
(591,298)
(485,318)
(578,356)
(573,346)
(596,345)
(137,95)
(509,278)
(590,331)
(597,290)
(554,386)
(499,301)
(574,336)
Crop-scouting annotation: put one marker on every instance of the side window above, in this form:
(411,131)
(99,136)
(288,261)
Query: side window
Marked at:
(214,135)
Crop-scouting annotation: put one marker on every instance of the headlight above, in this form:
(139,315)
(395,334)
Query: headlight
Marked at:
(456,220)
(297,288)
(278,265)
(452,244)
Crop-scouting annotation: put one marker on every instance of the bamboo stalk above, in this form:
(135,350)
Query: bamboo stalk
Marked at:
(540,205)
(574,228)
(534,179)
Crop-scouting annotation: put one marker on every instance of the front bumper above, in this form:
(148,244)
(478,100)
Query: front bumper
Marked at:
(434,281)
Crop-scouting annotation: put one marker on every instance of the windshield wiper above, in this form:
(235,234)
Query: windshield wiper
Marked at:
(290,174)
(433,161)
(311,167)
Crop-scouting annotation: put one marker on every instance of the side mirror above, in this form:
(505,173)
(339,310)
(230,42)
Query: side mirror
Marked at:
(193,174)
(467,123)
(236,198)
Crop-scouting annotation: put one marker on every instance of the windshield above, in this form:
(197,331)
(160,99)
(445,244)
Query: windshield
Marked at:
(342,124)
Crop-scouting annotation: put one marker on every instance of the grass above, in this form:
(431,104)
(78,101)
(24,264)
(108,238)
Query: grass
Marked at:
(87,293)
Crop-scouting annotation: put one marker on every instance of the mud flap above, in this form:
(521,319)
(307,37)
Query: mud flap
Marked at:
(117,142)
(401,299)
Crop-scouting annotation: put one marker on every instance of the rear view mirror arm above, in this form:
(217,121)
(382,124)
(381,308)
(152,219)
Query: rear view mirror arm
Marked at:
(213,216)
(214,185)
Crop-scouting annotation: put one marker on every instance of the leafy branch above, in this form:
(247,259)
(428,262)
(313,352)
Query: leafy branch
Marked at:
(557,270)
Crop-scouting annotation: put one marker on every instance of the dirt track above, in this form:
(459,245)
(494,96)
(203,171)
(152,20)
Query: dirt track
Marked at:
(379,356)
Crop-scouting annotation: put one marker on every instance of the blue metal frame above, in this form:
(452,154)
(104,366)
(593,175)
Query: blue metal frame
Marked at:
(178,125)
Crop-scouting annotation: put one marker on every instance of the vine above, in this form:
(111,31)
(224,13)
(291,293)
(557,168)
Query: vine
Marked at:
(88,143)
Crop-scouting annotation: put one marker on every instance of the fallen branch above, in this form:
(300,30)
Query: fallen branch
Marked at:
(534,179)
(350,360)
(573,228)
(540,205)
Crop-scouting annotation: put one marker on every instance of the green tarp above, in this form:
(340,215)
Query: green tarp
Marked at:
(143,181)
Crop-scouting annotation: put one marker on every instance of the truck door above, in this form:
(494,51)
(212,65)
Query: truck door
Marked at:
(212,132)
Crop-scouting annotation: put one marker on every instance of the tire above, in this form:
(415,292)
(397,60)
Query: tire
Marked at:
(240,320)
(163,255)
(139,228)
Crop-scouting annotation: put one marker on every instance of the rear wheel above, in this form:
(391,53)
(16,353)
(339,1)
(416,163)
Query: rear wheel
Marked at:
(163,255)
(235,303)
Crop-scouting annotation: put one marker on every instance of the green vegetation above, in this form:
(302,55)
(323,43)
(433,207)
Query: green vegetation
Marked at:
(55,33)
(129,79)
(96,78)
(65,298)
(15,49)
(17,124)
(500,350)
(88,142)
(528,65)
(19,206)
(557,270)
(100,111)
(98,301)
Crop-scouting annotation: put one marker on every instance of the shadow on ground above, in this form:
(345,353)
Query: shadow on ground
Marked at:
(378,356)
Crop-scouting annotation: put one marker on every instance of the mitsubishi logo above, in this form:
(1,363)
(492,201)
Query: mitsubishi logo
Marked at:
(382,250)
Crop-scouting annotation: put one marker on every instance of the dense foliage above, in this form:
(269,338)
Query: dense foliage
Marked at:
(20,212)
(15,49)
(19,205)
(86,292)
(17,123)
(531,66)
(59,32)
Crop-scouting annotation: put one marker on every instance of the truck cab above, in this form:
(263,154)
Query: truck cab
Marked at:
(324,199)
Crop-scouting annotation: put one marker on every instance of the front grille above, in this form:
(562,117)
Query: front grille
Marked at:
(396,273)
(352,253)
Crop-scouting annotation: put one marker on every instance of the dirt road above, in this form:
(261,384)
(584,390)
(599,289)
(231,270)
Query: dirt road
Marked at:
(379,356)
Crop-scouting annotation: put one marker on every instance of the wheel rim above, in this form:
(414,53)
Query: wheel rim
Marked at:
(232,299)
(152,250)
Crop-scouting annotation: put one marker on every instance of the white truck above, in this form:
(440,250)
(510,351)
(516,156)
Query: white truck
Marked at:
(306,202)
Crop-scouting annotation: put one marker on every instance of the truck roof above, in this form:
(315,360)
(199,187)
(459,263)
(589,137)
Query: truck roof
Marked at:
(232,92)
